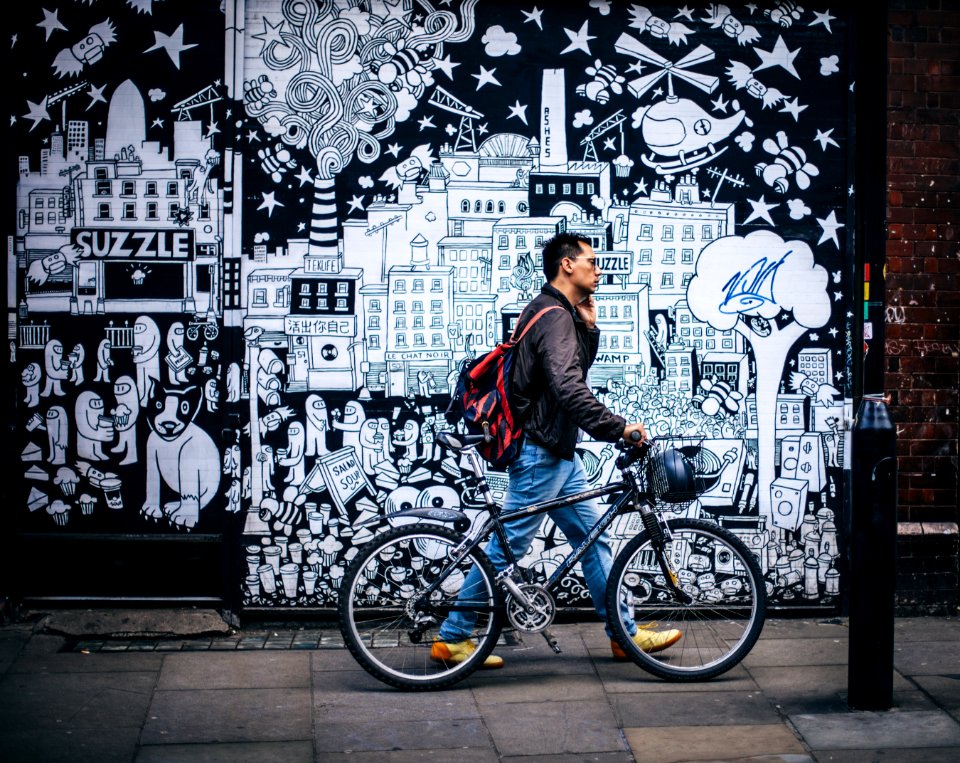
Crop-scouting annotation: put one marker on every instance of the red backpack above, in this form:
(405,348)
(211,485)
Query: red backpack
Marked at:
(482,400)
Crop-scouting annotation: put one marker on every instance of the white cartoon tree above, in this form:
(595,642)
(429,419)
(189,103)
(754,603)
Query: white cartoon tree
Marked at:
(771,291)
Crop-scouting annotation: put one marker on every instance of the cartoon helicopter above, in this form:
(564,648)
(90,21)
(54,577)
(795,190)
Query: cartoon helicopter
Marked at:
(679,133)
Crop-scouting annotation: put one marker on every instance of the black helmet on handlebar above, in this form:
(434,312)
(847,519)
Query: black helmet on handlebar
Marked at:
(671,476)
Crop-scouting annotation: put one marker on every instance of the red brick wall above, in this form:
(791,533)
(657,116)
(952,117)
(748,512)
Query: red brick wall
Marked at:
(922,296)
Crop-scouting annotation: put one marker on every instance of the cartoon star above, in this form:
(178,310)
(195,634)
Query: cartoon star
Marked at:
(173,44)
(269,203)
(518,111)
(579,40)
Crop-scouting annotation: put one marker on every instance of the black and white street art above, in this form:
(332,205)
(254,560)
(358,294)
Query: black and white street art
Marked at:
(248,267)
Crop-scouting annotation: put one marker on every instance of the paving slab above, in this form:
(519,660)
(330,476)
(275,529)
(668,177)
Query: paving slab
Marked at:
(926,755)
(251,752)
(120,623)
(228,715)
(868,730)
(74,701)
(945,691)
(678,744)
(116,745)
(926,629)
(791,627)
(461,755)
(707,708)
(918,658)
(340,701)
(450,735)
(235,670)
(625,677)
(546,728)
(812,688)
(586,757)
(499,687)
(322,660)
(96,662)
(793,652)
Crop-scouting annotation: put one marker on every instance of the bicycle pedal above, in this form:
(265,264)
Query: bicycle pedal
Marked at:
(551,641)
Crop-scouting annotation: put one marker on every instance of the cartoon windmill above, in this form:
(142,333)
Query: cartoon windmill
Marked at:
(679,134)
(466,137)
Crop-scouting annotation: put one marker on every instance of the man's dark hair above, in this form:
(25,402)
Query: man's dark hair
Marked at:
(560,246)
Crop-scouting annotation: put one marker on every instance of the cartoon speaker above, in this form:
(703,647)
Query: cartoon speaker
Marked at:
(788,497)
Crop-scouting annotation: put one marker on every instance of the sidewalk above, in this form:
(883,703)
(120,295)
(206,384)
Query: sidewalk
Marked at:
(297,695)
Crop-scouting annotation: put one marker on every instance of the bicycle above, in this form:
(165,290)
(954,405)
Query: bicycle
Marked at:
(680,573)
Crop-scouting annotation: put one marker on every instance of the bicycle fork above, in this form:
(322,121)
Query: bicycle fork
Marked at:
(659,532)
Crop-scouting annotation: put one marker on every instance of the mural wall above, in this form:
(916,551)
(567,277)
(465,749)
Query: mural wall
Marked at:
(247,268)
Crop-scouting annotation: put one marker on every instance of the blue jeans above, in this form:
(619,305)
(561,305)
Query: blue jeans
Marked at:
(537,475)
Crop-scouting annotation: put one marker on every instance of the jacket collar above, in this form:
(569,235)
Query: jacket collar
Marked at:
(552,291)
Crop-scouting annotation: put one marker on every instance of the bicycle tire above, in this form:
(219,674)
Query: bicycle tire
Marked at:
(375,614)
(722,622)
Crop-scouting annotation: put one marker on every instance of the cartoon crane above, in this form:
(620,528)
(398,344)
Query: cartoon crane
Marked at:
(466,137)
(206,97)
(61,97)
(613,121)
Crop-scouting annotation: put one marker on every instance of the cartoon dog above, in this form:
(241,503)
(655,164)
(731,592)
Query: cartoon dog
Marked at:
(181,453)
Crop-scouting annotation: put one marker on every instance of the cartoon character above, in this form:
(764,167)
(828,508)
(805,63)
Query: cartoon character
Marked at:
(352,419)
(180,454)
(56,367)
(293,459)
(371,445)
(31,376)
(93,426)
(720,16)
(146,346)
(70,61)
(405,441)
(176,371)
(76,358)
(58,431)
(104,361)
(787,160)
(125,417)
(234,376)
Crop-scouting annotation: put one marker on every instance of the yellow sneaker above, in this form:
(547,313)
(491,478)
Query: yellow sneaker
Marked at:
(649,641)
(458,651)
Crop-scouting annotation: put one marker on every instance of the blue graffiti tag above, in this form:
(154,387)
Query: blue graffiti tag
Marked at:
(748,290)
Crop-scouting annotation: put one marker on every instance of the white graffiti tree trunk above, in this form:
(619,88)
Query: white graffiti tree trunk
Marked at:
(771,292)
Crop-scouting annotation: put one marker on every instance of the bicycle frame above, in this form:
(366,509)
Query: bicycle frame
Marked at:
(494,523)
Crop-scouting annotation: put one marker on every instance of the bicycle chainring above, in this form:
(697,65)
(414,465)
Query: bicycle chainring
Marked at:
(538,616)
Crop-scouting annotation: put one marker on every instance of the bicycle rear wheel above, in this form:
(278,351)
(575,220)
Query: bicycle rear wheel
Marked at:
(719,625)
(388,621)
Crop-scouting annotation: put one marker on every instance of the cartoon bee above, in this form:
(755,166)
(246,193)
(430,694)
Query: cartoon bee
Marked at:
(276,162)
(717,395)
(258,93)
(784,13)
(788,160)
(405,67)
(285,514)
(605,78)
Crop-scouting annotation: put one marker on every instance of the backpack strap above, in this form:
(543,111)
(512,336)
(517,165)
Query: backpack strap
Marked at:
(530,323)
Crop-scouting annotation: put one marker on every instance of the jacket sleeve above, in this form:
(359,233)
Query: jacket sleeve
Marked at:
(558,351)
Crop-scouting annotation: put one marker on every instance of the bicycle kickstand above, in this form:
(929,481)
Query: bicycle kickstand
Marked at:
(551,640)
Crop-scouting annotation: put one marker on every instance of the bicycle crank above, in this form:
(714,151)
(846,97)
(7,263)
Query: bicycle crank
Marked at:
(537,614)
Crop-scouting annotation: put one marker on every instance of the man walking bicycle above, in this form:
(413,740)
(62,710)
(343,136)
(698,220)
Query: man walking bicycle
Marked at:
(552,397)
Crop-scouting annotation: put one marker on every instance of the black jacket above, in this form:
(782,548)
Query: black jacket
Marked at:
(549,378)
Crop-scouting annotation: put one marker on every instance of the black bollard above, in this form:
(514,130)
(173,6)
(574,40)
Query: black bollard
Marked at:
(873,541)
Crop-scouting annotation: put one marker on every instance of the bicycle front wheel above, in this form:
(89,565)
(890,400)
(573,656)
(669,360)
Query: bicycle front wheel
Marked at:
(720,623)
(396,594)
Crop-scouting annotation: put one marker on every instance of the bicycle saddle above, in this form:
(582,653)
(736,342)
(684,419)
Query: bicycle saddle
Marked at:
(458,442)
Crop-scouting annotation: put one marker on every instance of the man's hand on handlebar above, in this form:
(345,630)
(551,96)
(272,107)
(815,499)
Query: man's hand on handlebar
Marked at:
(636,434)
